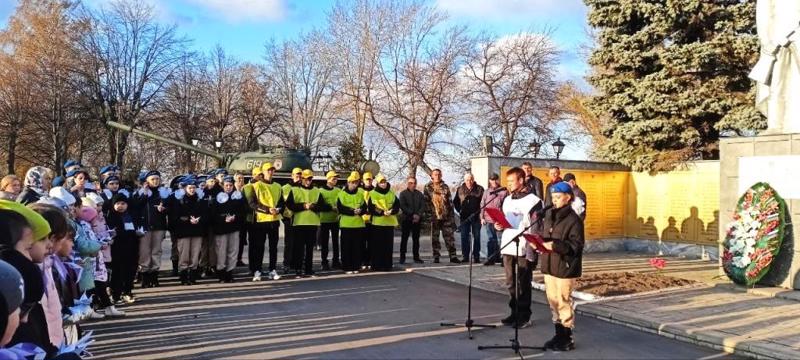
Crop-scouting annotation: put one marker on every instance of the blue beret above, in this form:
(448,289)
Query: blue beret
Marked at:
(110,179)
(152,173)
(71,162)
(142,176)
(221,171)
(75,172)
(228,179)
(108,168)
(187,180)
(561,187)
(58,181)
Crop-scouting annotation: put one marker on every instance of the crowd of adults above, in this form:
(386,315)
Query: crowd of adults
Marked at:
(70,234)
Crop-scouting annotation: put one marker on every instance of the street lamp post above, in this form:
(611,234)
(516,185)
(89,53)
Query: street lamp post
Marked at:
(558,147)
(534,147)
(218,146)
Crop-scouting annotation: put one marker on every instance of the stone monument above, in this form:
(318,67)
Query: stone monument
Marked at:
(774,155)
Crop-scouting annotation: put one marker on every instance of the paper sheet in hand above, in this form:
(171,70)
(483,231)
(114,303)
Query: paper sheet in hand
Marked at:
(537,241)
(498,217)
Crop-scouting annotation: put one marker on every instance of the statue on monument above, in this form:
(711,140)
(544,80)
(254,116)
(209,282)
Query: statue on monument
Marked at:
(778,69)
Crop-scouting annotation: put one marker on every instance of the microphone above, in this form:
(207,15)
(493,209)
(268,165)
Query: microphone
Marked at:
(497,191)
(540,212)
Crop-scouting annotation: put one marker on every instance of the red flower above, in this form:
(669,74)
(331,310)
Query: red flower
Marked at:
(658,263)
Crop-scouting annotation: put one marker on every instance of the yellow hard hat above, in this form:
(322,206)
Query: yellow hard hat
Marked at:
(367,175)
(257,171)
(331,174)
(37,223)
(296,171)
(354,176)
(307,173)
(380,178)
(267,166)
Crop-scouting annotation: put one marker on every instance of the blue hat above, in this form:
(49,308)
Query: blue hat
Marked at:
(110,179)
(142,176)
(108,169)
(187,180)
(58,181)
(152,173)
(71,162)
(228,179)
(75,172)
(221,171)
(561,187)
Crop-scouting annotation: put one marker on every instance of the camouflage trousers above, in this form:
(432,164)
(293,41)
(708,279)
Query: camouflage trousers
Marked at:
(447,227)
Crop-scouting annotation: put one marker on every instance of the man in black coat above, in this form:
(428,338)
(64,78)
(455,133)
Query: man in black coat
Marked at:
(468,202)
(534,184)
(562,233)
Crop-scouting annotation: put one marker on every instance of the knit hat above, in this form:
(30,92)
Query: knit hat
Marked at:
(110,179)
(297,170)
(31,277)
(95,198)
(257,171)
(367,175)
(65,196)
(354,176)
(267,166)
(152,173)
(11,287)
(87,213)
(561,187)
(119,197)
(58,181)
(307,173)
(40,226)
(331,174)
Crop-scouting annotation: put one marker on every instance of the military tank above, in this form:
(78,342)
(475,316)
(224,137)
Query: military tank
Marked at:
(284,159)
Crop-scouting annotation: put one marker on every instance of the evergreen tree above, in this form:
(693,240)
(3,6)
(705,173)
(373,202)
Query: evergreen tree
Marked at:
(671,75)
(350,155)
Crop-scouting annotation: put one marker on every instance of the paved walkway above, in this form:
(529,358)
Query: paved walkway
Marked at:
(718,315)
(367,316)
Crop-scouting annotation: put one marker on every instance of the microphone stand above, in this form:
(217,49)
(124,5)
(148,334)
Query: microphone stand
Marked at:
(469,323)
(515,345)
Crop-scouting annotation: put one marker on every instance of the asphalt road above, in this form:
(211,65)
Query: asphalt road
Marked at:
(368,316)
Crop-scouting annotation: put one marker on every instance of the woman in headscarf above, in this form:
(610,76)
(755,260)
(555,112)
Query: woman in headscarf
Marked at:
(37,184)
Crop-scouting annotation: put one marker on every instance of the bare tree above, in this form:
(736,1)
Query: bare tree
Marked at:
(418,83)
(131,58)
(258,110)
(301,72)
(511,88)
(223,79)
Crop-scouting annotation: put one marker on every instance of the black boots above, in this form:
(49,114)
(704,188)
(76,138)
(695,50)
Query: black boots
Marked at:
(230,277)
(508,320)
(562,341)
(225,276)
(145,277)
(154,279)
(184,275)
(149,279)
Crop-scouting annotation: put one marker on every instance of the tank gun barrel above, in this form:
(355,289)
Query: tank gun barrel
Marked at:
(163,139)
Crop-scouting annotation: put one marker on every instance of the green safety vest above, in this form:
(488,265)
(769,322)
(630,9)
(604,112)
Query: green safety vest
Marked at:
(330,197)
(302,195)
(249,193)
(268,195)
(353,201)
(383,202)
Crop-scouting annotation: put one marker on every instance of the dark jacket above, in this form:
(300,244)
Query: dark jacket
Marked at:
(548,198)
(219,211)
(441,191)
(146,208)
(565,229)
(124,238)
(468,201)
(536,186)
(411,203)
(28,196)
(180,215)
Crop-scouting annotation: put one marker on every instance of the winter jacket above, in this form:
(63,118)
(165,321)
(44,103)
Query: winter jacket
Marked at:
(535,186)
(491,201)
(222,206)
(261,196)
(439,200)
(51,303)
(87,246)
(146,201)
(411,203)
(565,229)
(125,238)
(548,198)
(180,215)
(346,203)
(468,201)
(28,196)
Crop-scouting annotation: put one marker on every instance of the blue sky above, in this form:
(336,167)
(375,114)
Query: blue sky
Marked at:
(243,26)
